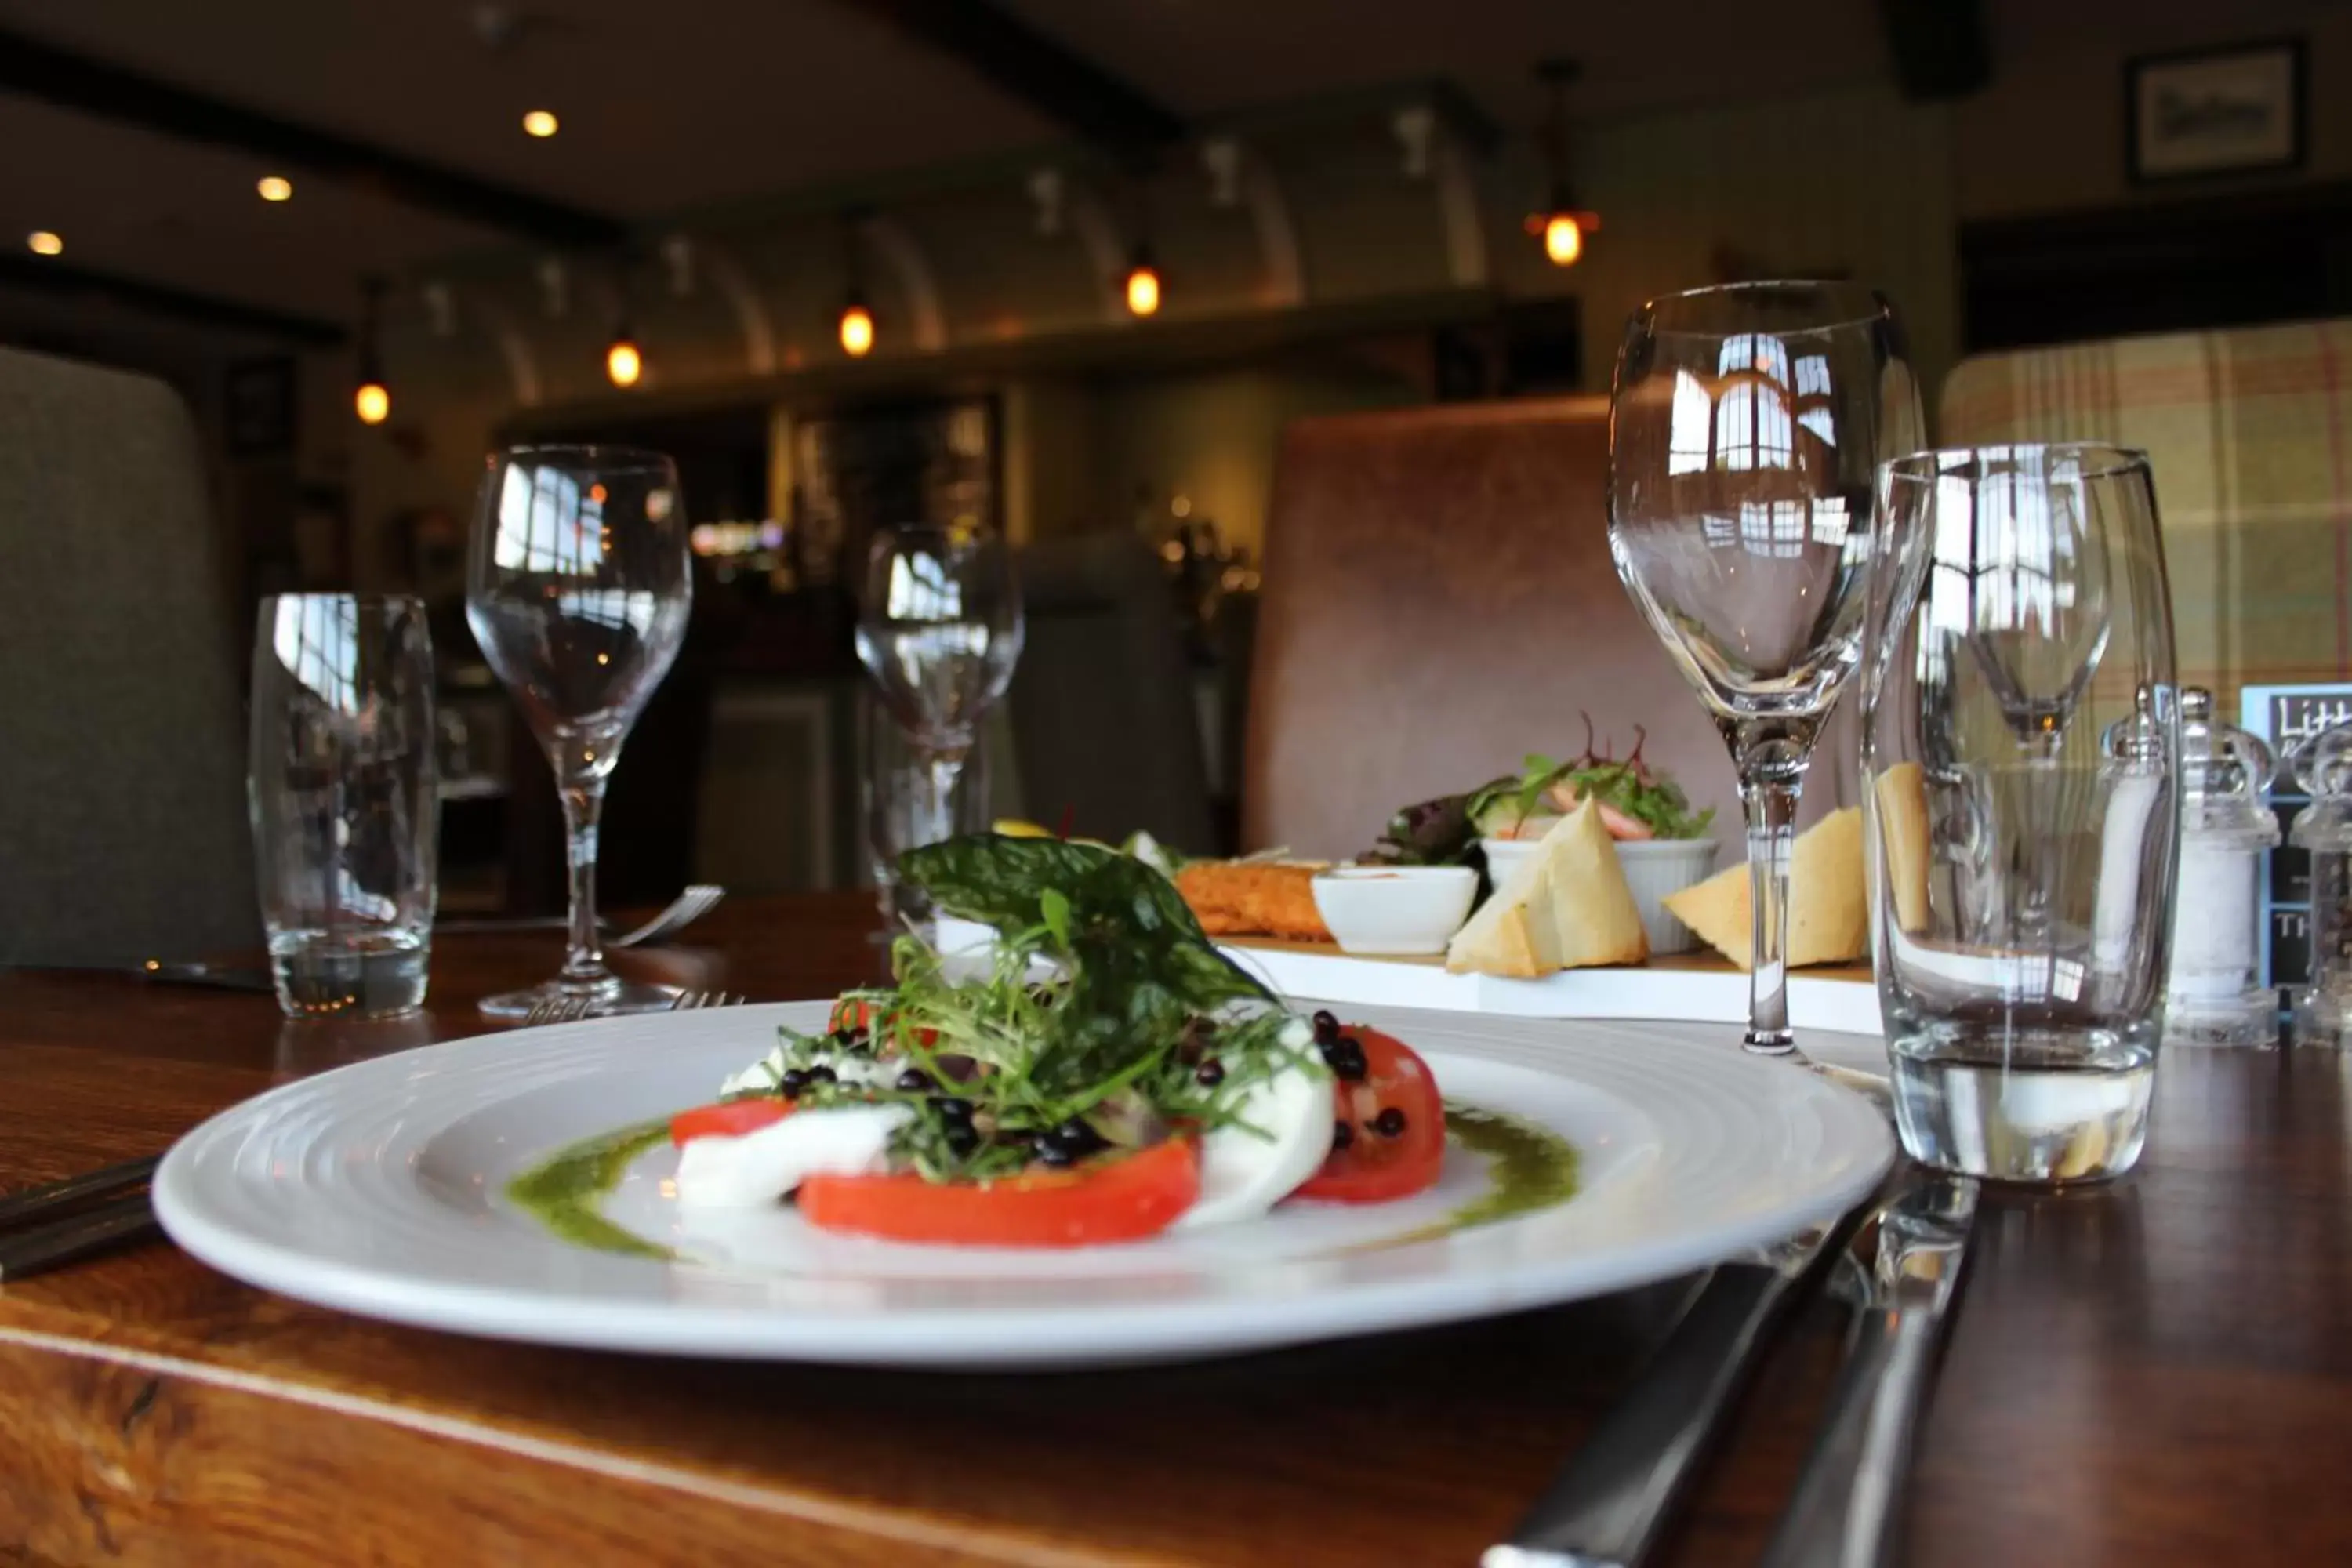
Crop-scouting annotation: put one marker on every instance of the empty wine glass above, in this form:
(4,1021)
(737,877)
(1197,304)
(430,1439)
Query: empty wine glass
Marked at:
(577,587)
(939,630)
(1745,425)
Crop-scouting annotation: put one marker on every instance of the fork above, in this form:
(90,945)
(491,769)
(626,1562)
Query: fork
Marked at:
(696,901)
(560,1009)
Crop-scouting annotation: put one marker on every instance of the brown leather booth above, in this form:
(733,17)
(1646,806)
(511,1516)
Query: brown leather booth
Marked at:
(1439,601)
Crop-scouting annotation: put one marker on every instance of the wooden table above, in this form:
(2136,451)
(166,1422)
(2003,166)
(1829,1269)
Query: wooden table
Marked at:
(2157,1372)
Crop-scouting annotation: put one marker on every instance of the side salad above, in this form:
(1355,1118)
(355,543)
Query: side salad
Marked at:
(1636,803)
(1146,1082)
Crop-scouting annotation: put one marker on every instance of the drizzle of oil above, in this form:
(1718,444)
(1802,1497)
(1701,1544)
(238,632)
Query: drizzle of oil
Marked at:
(1532,1167)
(565,1192)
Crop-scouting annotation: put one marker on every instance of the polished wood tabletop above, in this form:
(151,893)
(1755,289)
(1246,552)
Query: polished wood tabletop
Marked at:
(2155,1373)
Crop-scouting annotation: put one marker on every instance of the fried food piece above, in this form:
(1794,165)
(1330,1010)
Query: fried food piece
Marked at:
(1253,897)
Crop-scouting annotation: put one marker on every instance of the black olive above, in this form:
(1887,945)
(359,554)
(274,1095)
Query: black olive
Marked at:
(821,1074)
(1078,1137)
(1346,1057)
(1210,1073)
(952,1109)
(1050,1152)
(914,1081)
(1326,1027)
(961,1139)
(1342,1135)
(1390,1122)
(793,1081)
(845,1038)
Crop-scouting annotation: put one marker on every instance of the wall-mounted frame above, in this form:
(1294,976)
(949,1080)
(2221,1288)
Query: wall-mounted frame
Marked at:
(2198,114)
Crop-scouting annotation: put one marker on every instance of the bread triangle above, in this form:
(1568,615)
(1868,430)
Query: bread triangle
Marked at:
(1902,800)
(1566,906)
(1829,906)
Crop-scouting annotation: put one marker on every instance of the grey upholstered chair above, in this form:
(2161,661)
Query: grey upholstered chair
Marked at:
(123,826)
(1106,727)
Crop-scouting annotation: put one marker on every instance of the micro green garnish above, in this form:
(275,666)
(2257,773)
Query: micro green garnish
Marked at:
(1140,997)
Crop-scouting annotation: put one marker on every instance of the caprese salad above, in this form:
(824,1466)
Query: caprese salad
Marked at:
(1108,1076)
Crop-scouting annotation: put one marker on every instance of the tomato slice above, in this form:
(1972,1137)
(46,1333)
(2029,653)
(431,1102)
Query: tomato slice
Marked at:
(861,1015)
(727,1118)
(1117,1199)
(1369,1165)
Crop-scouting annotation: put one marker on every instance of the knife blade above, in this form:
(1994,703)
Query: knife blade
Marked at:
(1608,1504)
(1846,1511)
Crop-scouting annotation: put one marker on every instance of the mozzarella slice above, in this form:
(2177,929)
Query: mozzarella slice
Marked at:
(1242,1174)
(759,1168)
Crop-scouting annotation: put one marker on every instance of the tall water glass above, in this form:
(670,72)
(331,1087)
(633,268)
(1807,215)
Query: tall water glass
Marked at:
(1746,424)
(577,587)
(940,628)
(341,786)
(2021,737)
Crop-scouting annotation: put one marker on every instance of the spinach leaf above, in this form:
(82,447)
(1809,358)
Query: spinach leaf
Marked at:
(1142,968)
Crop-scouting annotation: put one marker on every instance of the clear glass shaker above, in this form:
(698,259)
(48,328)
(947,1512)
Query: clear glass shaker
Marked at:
(2215,994)
(2323,769)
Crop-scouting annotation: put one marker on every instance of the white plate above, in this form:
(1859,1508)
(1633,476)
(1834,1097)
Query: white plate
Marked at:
(379,1188)
(1711,995)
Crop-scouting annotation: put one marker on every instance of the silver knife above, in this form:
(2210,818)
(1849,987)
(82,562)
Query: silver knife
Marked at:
(1606,1506)
(1847,1510)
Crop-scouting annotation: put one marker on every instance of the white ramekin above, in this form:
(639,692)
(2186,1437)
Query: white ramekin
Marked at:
(1654,868)
(1394,908)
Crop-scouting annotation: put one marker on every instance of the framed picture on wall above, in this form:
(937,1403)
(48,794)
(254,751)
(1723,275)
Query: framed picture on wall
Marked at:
(2214,112)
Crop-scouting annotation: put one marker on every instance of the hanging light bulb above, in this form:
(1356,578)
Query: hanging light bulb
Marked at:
(372,394)
(1561,223)
(1563,239)
(857,328)
(624,362)
(1142,284)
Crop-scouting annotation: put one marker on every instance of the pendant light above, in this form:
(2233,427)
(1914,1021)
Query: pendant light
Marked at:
(856,324)
(372,394)
(1562,224)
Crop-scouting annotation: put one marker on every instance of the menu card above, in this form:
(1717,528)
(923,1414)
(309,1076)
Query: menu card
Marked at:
(2284,717)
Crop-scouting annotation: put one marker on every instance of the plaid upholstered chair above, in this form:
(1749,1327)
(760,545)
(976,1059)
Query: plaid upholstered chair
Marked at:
(123,826)
(2250,433)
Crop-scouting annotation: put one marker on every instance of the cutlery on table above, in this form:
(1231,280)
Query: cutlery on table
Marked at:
(56,1223)
(572,1009)
(1609,1503)
(1847,1507)
(698,900)
(155,971)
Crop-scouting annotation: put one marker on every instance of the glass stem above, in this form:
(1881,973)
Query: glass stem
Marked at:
(942,765)
(1772,805)
(583,957)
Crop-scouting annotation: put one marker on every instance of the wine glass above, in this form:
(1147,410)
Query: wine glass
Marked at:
(577,587)
(940,628)
(1745,426)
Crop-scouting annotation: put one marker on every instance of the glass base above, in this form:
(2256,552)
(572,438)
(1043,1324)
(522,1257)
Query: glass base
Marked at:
(2044,1106)
(610,999)
(2248,1020)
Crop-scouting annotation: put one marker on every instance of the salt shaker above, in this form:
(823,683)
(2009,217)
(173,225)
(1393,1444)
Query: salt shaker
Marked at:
(2323,769)
(2215,994)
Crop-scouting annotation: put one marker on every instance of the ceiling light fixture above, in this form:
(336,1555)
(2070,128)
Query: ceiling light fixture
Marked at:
(41,242)
(624,361)
(1561,223)
(856,324)
(541,123)
(857,328)
(275,188)
(372,397)
(1142,284)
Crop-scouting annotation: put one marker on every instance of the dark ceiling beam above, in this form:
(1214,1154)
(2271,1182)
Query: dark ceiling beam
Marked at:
(39,70)
(1025,64)
(34,274)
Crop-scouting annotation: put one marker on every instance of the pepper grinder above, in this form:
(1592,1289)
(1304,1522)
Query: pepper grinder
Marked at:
(2323,769)
(2214,995)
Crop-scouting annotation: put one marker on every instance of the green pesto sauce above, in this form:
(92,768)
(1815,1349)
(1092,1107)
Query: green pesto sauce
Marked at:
(565,1192)
(1531,1167)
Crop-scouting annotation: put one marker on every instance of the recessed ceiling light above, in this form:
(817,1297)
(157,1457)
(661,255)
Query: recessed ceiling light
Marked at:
(41,242)
(275,188)
(541,123)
